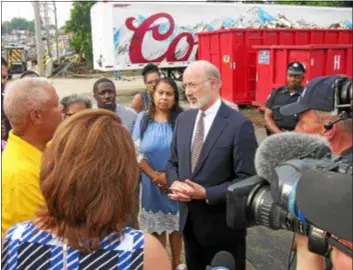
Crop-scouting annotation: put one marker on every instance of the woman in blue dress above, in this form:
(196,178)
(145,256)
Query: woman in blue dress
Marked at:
(153,133)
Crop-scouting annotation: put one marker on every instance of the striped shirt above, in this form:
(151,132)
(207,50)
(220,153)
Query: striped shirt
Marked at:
(27,247)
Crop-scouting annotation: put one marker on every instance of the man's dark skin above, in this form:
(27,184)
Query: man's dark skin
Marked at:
(293,82)
(105,96)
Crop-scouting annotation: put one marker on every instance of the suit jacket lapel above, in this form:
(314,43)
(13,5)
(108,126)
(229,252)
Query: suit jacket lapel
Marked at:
(218,125)
(189,128)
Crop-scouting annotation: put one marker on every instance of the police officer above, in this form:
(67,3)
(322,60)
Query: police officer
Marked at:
(275,121)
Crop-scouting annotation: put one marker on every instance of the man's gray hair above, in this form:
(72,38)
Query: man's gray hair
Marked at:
(25,95)
(210,69)
(75,98)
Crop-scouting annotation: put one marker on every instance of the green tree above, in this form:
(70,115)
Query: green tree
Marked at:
(5,26)
(17,24)
(80,26)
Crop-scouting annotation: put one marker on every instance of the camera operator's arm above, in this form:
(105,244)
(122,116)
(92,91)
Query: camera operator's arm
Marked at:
(244,148)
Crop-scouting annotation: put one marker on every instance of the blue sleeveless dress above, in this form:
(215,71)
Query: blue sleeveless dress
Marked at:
(158,213)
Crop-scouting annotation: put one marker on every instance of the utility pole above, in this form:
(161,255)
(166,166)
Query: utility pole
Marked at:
(39,44)
(47,26)
(56,33)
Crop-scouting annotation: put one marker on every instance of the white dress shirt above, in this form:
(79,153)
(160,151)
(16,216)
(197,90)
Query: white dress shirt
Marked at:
(210,115)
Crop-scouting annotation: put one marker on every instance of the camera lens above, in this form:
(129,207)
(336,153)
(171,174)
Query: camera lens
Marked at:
(262,205)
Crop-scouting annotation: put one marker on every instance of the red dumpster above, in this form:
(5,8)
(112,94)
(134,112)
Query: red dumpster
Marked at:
(319,60)
(233,53)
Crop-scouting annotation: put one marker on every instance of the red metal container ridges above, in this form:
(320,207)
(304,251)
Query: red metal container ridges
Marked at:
(319,60)
(233,52)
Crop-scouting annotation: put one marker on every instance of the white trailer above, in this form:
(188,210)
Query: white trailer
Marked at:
(129,35)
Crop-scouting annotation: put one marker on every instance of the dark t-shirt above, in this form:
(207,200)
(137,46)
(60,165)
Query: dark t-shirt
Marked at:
(280,97)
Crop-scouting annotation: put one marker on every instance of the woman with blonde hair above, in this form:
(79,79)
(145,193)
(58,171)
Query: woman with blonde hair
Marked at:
(88,177)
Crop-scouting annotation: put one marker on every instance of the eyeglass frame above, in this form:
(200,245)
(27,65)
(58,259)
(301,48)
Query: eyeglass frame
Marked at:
(193,86)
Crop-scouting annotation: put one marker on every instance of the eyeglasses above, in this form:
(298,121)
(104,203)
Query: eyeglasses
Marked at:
(192,85)
(152,82)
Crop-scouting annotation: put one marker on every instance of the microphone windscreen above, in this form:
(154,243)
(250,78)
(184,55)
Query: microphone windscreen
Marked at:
(282,147)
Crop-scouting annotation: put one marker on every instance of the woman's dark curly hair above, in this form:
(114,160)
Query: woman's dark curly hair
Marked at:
(174,111)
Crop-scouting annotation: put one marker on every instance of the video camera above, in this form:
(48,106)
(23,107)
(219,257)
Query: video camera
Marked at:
(255,201)
(300,187)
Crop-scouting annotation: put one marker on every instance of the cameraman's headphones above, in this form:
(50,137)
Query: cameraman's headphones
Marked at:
(343,100)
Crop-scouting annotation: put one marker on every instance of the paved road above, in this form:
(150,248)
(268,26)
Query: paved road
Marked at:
(266,249)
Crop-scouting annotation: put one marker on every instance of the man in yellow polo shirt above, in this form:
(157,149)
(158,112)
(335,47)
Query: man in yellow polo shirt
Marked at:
(33,109)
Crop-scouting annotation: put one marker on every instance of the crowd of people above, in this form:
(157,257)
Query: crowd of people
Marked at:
(105,186)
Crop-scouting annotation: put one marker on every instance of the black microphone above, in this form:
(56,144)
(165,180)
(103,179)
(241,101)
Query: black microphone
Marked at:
(223,260)
(343,116)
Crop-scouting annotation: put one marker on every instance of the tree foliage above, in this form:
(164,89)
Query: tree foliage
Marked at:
(298,3)
(316,3)
(80,26)
(17,24)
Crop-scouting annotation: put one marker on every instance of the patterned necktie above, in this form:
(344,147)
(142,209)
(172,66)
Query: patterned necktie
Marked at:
(198,141)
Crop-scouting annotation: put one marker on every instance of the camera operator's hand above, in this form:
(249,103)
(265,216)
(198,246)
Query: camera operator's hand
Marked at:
(305,258)
(341,261)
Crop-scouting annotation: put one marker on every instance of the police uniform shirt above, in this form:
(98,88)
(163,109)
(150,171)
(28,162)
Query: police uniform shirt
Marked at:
(278,98)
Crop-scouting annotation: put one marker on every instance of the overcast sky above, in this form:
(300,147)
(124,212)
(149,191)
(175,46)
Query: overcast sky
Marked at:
(24,9)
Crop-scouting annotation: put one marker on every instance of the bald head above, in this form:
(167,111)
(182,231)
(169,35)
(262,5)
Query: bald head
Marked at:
(205,67)
(24,95)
